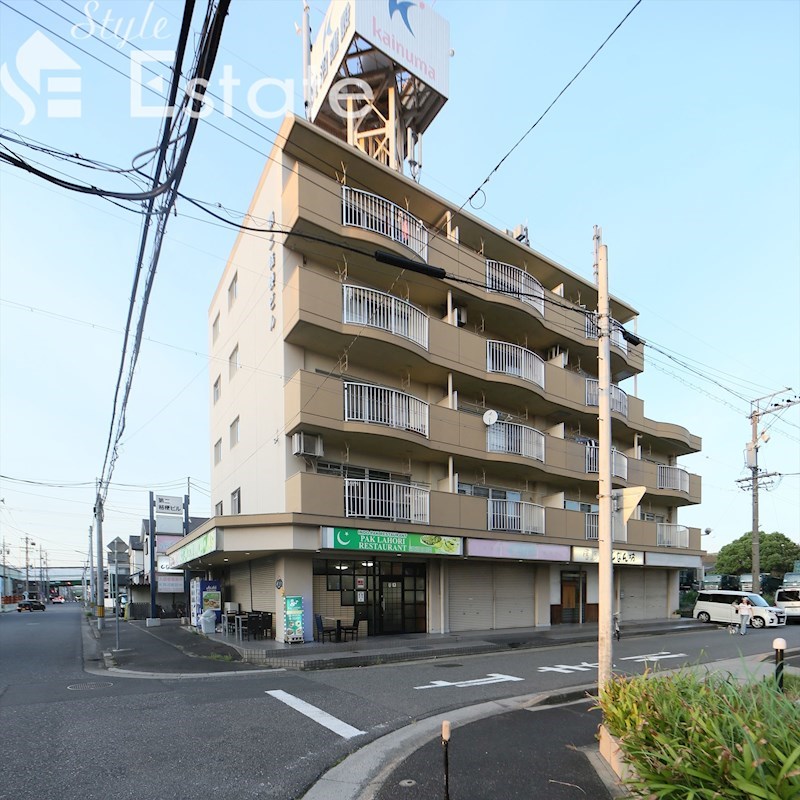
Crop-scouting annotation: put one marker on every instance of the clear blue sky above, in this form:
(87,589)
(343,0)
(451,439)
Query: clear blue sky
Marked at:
(681,139)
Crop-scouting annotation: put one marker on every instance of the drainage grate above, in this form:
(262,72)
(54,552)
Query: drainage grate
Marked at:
(77,687)
(448,665)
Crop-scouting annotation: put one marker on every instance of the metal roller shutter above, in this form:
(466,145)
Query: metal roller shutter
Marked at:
(470,594)
(632,604)
(655,593)
(240,585)
(513,596)
(263,578)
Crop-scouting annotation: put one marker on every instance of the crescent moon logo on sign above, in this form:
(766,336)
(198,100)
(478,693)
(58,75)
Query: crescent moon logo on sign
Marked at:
(342,538)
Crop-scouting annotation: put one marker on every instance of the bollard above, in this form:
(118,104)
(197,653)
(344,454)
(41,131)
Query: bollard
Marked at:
(780,646)
(445,742)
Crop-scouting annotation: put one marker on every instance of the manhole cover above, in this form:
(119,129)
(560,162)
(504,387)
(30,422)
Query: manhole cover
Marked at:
(407,782)
(78,687)
(448,665)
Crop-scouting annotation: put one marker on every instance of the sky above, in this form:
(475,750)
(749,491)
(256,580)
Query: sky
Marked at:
(681,139)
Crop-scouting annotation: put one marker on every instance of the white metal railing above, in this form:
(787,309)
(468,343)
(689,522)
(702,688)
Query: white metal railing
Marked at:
(372,499)
(512,280)
(515,515)
(617,339)
(520,440)
(362,306)
(373,213)
(668,535)
(619,400)
(364,402)
(511,359)
(619,462)
(592,528)
(675,478)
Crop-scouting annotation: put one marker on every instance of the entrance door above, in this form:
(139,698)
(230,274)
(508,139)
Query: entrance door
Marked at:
(573,596)
(391,605)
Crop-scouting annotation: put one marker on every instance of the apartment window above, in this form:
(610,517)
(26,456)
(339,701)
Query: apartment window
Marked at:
(236,501)
(215,328)
(233,361)
(233,290)
(218,509)
(235,432)
(217,388)
(218,451)
(577,505)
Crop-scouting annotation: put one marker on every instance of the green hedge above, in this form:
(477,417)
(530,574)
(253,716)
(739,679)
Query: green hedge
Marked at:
(693,738)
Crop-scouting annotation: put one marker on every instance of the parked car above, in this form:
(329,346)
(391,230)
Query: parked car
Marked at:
(30,605)
(718,605)
(789,601)
(57,599)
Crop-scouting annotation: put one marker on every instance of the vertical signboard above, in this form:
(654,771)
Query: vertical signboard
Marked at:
(293,619)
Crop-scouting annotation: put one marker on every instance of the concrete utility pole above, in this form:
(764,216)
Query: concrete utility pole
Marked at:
(752,462)
(27,567)
(100,608)
(88,599)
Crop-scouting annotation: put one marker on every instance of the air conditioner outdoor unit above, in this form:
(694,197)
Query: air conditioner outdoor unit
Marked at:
(307,444)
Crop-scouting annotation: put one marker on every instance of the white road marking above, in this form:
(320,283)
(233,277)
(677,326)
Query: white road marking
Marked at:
(492,677)
(654,656)
(584,666)
(317,714)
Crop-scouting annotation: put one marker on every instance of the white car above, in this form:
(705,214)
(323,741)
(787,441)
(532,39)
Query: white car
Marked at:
(719,605)
(789,601)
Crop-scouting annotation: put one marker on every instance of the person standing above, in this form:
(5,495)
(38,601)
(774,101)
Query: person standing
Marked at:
(745,612)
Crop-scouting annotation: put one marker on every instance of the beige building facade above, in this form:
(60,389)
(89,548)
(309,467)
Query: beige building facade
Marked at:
(420,453)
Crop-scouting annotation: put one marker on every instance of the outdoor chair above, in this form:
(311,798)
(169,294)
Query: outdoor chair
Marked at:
(322,631)
(352,629)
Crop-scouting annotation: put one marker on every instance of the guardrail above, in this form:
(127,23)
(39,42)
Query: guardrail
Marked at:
(362,306)
(371,499)
(364,402)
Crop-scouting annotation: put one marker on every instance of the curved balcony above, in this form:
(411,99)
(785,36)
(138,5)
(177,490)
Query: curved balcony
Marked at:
(617,339)
(675,478)
(510,280)
(364,402)
(517,440)
(511,359)
(373,213)
(515,515)
(592,528)
(374,309)
(619,400)
(619,462)
(672,535)
(400,502)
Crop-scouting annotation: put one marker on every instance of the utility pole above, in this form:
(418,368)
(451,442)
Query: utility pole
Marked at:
(755,476)
(89,598)
(100,608)
(28,542)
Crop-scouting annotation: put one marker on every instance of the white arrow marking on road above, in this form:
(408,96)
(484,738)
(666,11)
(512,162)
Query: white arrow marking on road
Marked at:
(584,666)
(654,656)
(492,677)
(317,714)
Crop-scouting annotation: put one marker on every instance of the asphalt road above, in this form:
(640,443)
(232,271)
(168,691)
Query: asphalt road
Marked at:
(68,732)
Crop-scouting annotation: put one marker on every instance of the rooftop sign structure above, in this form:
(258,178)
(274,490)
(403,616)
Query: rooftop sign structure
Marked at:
(378,74)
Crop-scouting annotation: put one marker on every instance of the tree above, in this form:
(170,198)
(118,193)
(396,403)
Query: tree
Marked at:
(777,554)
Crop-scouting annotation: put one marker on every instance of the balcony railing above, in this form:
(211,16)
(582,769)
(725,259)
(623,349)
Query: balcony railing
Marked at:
(518,440)
(515,515)
(364,402)
(512,280)
(675,478)
(592,528)
(672,535)
(362,306)
(617,339)
(511,359)
(619,400)
(401,502)
(619,462)
(373,213)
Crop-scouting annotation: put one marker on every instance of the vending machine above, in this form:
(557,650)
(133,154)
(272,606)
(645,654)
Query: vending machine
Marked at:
(204,595)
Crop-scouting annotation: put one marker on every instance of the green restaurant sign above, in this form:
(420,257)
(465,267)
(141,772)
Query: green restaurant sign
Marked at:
(202,546)
(384,541)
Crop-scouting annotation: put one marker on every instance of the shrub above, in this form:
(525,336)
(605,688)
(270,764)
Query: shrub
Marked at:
(705,738)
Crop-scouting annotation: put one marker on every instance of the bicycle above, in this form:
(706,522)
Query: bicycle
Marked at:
(616,625)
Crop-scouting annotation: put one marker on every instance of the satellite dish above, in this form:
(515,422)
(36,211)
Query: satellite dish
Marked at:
(490,417)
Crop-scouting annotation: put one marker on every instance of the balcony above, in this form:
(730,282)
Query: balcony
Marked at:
(675,478)
(619,400)
(619,462)
(372,213)
(364,402)
(399,502)
(514,515)
(511,359)
(617,339)
(510,280)
(592,529)
(517,440)
(374,309)
(672,535)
